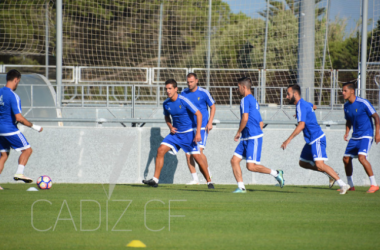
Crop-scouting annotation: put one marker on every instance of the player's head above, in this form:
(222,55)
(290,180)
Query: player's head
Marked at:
(192,81)
(244,86)
(293,93)
(13,78)
(171,88)
(348,90)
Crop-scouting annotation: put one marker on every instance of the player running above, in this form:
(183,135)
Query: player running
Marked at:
(202,99)
(181,134)
(358,113)
(251,138)
(10,136)
(313,153)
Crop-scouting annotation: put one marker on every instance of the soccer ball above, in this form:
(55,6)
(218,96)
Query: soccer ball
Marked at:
(44,182)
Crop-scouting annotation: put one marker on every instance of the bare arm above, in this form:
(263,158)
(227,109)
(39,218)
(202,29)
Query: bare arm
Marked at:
(375,116)
(168,121)
(243,123)
(348,128)
(314,106)
(212,114)
(21,119)
(199,126)
(261,125)
(297,130)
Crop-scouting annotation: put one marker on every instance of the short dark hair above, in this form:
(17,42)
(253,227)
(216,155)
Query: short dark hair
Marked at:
(12,74)
(295,88)
(245,81)
(172,82)
(192,75)
(350,84)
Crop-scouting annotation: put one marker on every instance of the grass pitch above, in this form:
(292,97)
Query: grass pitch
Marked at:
(267,217)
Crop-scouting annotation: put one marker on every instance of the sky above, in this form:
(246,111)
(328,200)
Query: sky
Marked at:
(343,9)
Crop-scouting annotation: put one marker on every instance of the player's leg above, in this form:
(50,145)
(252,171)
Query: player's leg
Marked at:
(202,146)
(203,167)
(3,159)
(191,165)
(318,151)
(365,146)
(307,161)
(352,151)
(168,144)
(253,156)
(240,152)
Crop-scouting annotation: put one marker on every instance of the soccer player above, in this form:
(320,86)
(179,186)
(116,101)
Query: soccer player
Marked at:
(10,136)
(251,138)
(181,134)
(313,155)
(359,113)
(202,99)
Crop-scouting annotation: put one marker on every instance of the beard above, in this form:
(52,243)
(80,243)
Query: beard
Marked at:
(292,100)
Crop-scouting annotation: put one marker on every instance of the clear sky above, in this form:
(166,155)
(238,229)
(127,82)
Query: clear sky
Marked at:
(343,9)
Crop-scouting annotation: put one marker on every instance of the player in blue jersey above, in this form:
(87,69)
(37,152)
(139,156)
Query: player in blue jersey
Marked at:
(313,155)
(202,99)
(182,135)
(358,113)
(10,136)
(251,138)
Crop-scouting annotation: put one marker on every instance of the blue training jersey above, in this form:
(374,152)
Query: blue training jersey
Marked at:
(252,130)
(359,113)
(181,111)
(10,105)
(202,99)
(305,113)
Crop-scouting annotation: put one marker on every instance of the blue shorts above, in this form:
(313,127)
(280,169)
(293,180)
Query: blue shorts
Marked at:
(16,141)
(181,140)
(315,151)
(250,150)
(358,147)
(204,135)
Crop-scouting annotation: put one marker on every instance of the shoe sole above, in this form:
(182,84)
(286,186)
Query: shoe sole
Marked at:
(371,192)
(22,179)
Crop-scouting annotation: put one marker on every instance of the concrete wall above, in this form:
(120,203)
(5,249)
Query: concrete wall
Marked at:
(127,155)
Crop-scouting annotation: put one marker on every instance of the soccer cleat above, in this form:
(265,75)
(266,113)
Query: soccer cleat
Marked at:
(210,186)
(280,178)
(193,182)
(239,191)
(150,182)
(373,189)
(344,189)
(21,177)
(351,189)
(331,181)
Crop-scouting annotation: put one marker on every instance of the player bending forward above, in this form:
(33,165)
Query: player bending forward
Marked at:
(10,136)
(359,113)
(181,132)
(251,139)
(313,153)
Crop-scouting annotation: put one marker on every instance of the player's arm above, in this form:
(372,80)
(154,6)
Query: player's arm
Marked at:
(168,121)
(243,123)
(314,107)
(212,115)
(262,125)
(299,128)
(375,116)
(348,128)
(21,119)
(198,136)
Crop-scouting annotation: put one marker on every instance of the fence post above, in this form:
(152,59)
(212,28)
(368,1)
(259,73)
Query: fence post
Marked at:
(262,85)
(230,97)
(82,96)
(282,97)
(108,95)
(133,101)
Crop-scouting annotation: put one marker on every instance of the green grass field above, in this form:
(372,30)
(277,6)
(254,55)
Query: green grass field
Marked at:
(267,217)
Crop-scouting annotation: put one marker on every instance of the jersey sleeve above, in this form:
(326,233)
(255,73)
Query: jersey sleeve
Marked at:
(210,101)
(244,105)
(166,113)
(188,104)
(301,113)
(15,104)
(369,109)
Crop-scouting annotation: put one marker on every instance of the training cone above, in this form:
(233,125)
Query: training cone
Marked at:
(136,243)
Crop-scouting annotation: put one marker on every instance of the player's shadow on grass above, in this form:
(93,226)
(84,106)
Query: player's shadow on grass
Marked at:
(170,161)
